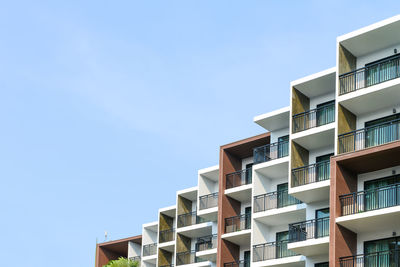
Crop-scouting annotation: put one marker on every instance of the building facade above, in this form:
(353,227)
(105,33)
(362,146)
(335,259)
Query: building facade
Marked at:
(321,186)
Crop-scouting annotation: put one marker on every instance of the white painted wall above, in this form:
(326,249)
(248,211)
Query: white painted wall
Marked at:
(243,206)
(246,161)
(149,237)
(207,186)
(260,233)
(278,133)
(361,119)
(375,175)
(312,207)
(314,101)
(313,154)
(242,250)
(377,55)
(134,249)
(264,184)
(310,261)
(379,234)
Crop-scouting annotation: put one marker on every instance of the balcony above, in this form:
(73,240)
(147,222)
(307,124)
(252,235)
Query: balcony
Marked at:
(241,263)
(378,259)
(206,243)
(275,253)
(363,211)
(135,258)
(310,237)
(274,200)
(369,137)
(237,223)
(149,250)
(311,183)
(382,71)
(189,219)
(169,265)
(187,257)
(270,152)
(208,201)
(238,178)
(166,235)
(313,173)
(273,208)
(313,118)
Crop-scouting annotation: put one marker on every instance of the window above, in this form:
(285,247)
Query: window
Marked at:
(283,146)
(322,224)
(325,113)
(383,252)
(323,170)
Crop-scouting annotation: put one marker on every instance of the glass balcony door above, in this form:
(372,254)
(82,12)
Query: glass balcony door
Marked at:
(321,225)
(325,113)
(281,244)
(283,146)
(383,252)
(379,194)
(323,170)
(384,134)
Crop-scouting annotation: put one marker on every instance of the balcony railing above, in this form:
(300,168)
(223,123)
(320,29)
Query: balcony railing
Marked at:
(380,72)
(238,178)
(167,235)
(274,200)
(188,219)
(169,265)
(187,257)
(369,137)
(136,258)
(272,250)
(208,201)
(313,118)
(237,223)
(150,249)
(206,243)
(386,258)
(311,174)
(373,199)
(310,229)
(241,263)
(271,151)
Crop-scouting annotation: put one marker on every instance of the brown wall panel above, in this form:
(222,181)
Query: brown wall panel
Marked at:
(164,257)
(347,61)
(166,222)
(343,242)
(183,243)
(300,102)
(184,205)
(300,156)
(346,121)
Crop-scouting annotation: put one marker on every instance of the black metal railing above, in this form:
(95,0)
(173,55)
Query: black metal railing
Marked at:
(313,173)
(372,199)
(274,200)
(271,151)
(310,229)
(241,263)
(206,242)
(272,250)
(379,72)
(166,235)
(239,178)
(150,249)
(387,258)
(313,118)
(237,223)
(208,201)
(168,265)
(369,137)
(188,219)
(187,257)
(136,258)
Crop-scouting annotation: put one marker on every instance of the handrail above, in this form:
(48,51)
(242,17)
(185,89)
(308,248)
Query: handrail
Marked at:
(375,135)
(208,201)
(166,235)
(238,178)
(149,249)
(315,228)
(274,200)
(372,199)
(272,250)
(312,173)
(313,118)
(270,152)
(381,258)
(237,223)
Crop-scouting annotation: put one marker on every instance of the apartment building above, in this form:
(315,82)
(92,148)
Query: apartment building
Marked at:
(321,185)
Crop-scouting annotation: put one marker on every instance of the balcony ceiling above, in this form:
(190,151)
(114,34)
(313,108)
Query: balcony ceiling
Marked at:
(318,84)
(372,38)
(275,120)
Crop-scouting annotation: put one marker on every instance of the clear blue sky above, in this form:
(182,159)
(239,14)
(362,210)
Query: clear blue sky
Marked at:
(109,107)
